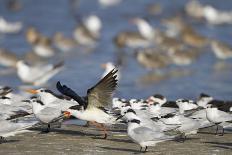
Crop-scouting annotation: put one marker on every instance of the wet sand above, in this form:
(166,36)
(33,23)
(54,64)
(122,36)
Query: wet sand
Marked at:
(71,139)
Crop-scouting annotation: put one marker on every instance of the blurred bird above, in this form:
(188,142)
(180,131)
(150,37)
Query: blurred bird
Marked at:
(108,3)
(41,44)
(37,75)
(152,59)
(221,50)
(8,128)
(184,57)
(7,58)
(62,43)
(216,17)
(145,29)
(10,27)
(88,32)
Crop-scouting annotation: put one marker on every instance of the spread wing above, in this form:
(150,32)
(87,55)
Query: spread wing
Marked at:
(100,95)
(70,93)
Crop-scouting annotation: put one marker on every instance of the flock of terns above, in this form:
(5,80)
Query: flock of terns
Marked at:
(148,121)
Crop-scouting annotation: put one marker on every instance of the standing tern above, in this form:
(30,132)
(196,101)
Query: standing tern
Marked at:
(218,117)
(47,113)
(92,107)
(145,136)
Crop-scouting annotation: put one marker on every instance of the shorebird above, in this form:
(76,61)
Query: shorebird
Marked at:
(177,26)
(88,32)
(167,43)
(216,17)
(41,44)
(4,90)
(130,39)
(62,43)
(145,136)
(48,113)
(92,107)
(221,50)
(183,57)
(8,128)
(10,27)
(37,75)
(8,58)
(218,117)
(203,100)
(145,29)
(151,59)
(194,9)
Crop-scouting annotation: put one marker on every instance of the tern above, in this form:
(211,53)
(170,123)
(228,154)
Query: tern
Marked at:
(8,128)
(145,136)
(92,107)
(37,75)
(47,113)
(218,117)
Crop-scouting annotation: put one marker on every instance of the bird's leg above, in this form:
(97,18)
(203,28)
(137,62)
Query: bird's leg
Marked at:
(141,149)
(87,124)
(2,139)
(48,128)
(104,131)
(183,137)
(101,127)
(216,130)
(222,132)
(145,149)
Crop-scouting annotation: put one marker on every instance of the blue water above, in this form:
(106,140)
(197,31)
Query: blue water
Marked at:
(83,70)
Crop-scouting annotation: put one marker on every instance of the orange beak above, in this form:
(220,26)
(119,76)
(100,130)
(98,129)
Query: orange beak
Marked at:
(103,66)
(67,114)
(32,91)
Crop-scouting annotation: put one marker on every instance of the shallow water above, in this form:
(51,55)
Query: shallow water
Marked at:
(83,70)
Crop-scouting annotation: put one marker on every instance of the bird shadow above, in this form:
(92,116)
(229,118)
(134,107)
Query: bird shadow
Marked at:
(121,149)
(120,140)
(220,145)
(181,140)
(71,132)
(9,141)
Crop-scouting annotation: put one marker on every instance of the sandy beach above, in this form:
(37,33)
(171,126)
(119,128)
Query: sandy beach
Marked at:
(72,139)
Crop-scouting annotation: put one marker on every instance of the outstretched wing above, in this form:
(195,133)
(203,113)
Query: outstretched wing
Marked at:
(100,95)
(63,89)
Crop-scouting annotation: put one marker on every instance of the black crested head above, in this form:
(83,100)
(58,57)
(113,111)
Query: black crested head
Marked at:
(185,100)
(127,104)
(131,110)
(40,102)
(33,97)
(6,88)
(4,97)
(159,96)
(204,95)
(134,121)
